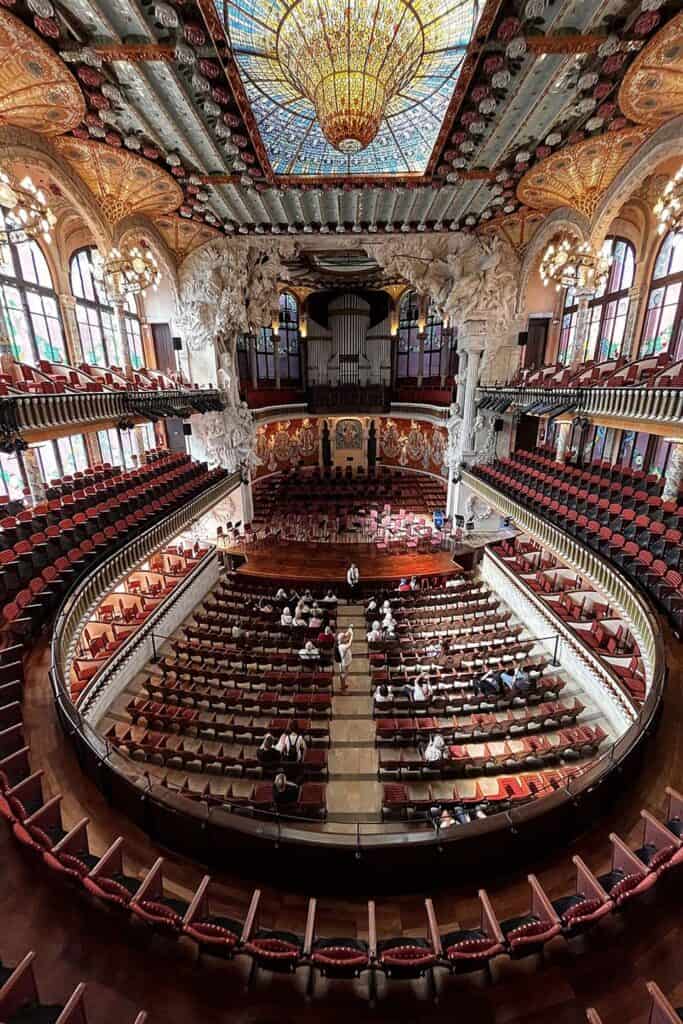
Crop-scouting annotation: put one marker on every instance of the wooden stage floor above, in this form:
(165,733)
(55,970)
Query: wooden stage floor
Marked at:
(309,563)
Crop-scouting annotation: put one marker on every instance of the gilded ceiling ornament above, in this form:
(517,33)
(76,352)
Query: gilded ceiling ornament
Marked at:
(36,89)
(652,89)
(121,182)
(579,175)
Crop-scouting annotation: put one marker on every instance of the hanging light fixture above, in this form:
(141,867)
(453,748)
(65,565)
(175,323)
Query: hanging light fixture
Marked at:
(350,60)
(129,272)
(27,214)
(669,207)
(575,265)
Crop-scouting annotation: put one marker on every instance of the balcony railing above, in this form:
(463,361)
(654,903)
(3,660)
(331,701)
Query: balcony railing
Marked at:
(21,413)
(656,405)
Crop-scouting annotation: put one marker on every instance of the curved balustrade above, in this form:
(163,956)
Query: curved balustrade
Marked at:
(20,413)
(656,405)
(212,833)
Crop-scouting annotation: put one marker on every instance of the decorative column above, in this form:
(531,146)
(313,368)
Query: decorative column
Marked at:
(140,444)
(473,337)
(443,355)
(627,344)
(462,372)
(563,431)
(247,496)
(74,348)
(118,306)
(575,354)
(92,447)
(674,473)
(6,353)
(33,475)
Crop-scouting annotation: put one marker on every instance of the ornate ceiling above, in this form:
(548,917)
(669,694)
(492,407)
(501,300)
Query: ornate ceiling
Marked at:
(498,89)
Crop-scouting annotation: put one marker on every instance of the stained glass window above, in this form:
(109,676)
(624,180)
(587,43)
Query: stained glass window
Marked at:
(663,327)
(288,345)
(607,311)
(95,317)
(288,122)
(408,347)
(29,304)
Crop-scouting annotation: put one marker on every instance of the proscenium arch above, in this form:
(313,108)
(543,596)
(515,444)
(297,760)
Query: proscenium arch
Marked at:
(33,150)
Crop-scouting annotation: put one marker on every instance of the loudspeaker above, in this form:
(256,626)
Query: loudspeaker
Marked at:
(177,344)
(187,429)
(522,338)
(497,426)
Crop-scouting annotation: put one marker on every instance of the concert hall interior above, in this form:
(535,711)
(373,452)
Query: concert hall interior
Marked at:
(341,509)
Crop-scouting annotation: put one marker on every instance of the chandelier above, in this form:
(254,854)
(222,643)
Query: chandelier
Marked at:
(575,265)
(669,207)
(350,59)
(126,273)
(26,214)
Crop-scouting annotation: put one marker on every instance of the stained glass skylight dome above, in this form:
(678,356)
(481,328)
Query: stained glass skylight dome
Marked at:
(343,87)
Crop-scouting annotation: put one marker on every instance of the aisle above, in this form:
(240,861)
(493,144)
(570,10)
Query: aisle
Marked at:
(353,788)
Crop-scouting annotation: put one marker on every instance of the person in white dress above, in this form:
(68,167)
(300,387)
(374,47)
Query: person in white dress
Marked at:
(344,645)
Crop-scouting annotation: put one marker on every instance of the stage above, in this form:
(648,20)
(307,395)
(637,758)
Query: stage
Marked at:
(308,563)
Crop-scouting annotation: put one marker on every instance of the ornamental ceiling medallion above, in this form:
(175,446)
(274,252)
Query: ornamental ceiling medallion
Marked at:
(517,228)
(183,236)
(36,89)
(652,89)
(579,175)
(349,87)
(121,182)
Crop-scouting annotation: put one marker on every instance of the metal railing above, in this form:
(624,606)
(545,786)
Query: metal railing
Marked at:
(654,404)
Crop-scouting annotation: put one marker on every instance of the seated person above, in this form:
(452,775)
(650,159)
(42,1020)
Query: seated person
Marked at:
(309,652)
(371,608)
(507,680)
(404,586)
(284,792)
(264,606)
(389,620)
(390,631)
(488,684)
(422,690)
(292,746)
(329,598)
(314,622)
(325,639)
(383,694)
(298,621)
(521,682)
(281,594)
(414,585)
(436,750)
(375,634)
(268,753)
(286,617)
(237,632)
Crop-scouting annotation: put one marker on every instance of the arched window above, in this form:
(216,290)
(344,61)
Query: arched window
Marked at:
(407,355)
(288,344)
(663,327)
(408,349)
(95,316)
(607,310)
(29,303)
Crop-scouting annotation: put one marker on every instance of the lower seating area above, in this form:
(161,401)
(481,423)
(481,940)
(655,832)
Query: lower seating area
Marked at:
(627,523)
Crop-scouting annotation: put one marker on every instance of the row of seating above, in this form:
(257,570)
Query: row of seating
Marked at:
(640,558)
(51,377)
(205,920)
(21,1002)
(661,371)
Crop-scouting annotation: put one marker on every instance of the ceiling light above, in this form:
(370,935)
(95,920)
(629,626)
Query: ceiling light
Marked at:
(27,214)
(575,265)
(128,272)
(350,60)
(669,207)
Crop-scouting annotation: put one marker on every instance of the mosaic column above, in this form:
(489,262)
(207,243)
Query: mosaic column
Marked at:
(575,354)
(74,348)
(6,353)
(674,473)
(33,475)
(562,440)
(140,444)
(121,336)
(631,321)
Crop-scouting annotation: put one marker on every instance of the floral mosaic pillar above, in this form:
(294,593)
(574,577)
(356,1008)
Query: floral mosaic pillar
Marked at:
(674,473)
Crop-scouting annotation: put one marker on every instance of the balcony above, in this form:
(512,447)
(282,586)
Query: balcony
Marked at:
(32,413)
(647,405)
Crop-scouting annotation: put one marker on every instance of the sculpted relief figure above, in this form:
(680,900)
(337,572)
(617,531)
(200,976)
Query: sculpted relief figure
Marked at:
(453,451)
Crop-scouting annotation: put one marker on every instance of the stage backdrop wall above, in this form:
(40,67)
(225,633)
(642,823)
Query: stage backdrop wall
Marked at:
(409,443)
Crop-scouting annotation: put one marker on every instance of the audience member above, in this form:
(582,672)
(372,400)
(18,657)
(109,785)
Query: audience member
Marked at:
(281,594)
(268,752)
(284,792)
(344,645)
(325,639)
(329,598)
(436,750)
(286,617)
(292,745)
(383,694)
(375,634)
(309,652)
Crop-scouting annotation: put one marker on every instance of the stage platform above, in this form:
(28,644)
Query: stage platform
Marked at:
(312,563)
